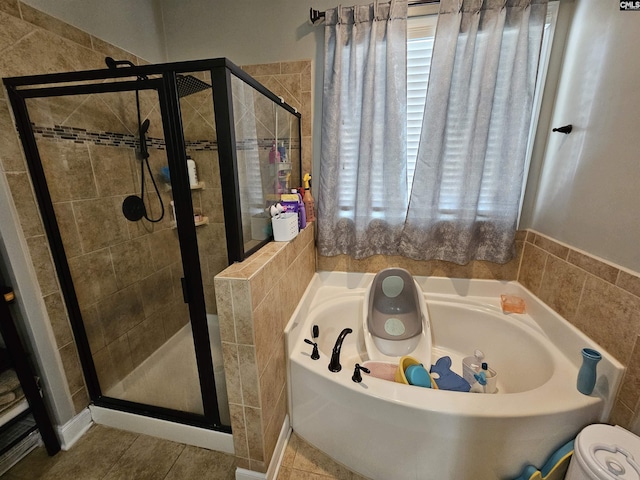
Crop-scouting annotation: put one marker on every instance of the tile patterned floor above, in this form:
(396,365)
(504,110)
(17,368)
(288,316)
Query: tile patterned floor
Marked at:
(301,461)
(108,454)
(105,453)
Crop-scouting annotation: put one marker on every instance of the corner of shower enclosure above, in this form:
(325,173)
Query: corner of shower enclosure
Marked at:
(151,180)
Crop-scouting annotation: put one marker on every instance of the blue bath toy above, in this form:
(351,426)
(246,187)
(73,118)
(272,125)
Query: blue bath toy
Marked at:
(418,375)
(555,467)
(481,378)
(448,379)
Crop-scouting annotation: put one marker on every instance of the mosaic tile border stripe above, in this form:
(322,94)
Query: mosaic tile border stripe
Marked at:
(112,139)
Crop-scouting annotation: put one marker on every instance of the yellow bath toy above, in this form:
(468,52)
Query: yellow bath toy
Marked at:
(406,362)
(554,469)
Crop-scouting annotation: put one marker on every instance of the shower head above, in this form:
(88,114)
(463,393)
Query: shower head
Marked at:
(188,85)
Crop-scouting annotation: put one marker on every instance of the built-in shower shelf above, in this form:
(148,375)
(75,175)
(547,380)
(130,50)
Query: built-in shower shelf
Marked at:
(202,221)
(199,186)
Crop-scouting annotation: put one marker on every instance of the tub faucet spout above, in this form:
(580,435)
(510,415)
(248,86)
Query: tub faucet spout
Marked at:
(334,365)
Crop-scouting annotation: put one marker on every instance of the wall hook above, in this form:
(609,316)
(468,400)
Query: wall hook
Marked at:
(566,129)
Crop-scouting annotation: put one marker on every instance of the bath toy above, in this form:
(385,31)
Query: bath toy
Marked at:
(554,469)
(405,363)
(448,379)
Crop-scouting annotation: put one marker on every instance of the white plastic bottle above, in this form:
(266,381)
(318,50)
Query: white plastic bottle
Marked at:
(193,174)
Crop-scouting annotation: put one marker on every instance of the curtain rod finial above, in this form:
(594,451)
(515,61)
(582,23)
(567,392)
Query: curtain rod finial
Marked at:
(316,17)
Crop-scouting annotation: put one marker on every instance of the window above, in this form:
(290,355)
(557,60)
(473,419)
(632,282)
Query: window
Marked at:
(420,38)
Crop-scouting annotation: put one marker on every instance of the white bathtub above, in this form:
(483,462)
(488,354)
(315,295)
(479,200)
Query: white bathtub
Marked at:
(390,431)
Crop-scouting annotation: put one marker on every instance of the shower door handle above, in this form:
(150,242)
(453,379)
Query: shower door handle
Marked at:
(185,296)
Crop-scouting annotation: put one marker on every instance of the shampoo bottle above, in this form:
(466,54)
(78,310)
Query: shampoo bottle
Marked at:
(302,211)
(309,204)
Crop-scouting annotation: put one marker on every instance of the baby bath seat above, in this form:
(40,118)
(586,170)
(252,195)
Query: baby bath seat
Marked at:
(396,319)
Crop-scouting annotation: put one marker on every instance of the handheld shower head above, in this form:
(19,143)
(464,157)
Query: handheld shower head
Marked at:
(144,127)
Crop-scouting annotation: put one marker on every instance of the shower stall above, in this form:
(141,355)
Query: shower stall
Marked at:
(150,180)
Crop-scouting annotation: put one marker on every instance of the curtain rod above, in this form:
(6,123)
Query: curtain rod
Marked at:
(316,16)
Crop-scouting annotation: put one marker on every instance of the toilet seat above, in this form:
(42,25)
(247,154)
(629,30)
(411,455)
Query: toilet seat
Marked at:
(604,452)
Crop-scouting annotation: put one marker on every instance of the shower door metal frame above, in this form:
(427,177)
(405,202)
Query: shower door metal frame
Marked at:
(221,69)
(166,88)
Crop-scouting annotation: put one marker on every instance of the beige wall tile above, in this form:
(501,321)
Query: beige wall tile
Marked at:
(628,282)
(41,259)
(266,325)
(68,171)
(58,319)
(144,339)
(11,157)
(81,400)
(100,223)
(25,203)
(272,430)
(157,291)
(106,49)
(262,69)
(272,380)
(249,376)
(593,266)
(532,268)
(339,263)
(13,29)
(40,52)
(551,246)
(120,313)
(71,364)
(238,425)
(113,168)
(232,372)
(173,318)
(68,229)
(54,25)
(242,313)
(630,391)
(10,7)
(120,356)
(621,415)
(610,316)
(165,248)
(132,261)
(561,287)
(255,439)
(225,310)
(93,328)
(105,370)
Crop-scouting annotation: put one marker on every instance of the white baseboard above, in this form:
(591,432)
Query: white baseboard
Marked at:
(276,458)
(244,474)
(70,432)
(176,432)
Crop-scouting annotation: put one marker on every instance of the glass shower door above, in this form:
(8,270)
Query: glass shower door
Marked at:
(103,159)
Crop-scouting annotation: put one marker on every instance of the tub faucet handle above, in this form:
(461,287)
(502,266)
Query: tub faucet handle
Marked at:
(357,376)
(314,354)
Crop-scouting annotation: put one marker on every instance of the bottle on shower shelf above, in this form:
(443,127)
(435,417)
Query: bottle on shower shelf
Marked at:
(309,203)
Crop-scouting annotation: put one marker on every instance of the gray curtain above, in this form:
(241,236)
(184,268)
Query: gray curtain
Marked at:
(362,194)
(469,172)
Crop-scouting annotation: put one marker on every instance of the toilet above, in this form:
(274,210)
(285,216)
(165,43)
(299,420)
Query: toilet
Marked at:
(395,318)
(604,452)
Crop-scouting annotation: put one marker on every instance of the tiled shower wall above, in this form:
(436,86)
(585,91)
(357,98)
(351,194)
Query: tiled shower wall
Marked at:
(79,165)
(32,42)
